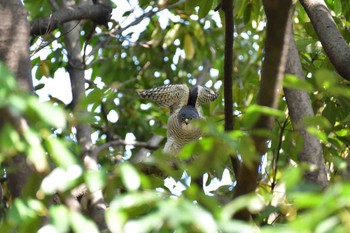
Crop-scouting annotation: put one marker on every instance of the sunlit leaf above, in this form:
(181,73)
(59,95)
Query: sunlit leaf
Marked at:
(59,216)
(35,151)
(253,112)
(171,35)
(59,152)
(60,180)
(325,79)
(95,180)
(81,224)
(52,115)
(131,178)
(293,82)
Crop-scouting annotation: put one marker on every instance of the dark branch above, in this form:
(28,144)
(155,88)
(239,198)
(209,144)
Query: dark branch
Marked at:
(227,7)
(276,48)
(97,13)
(336,48)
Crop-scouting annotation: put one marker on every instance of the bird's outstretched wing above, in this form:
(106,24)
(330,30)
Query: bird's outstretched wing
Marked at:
(205,95)
(173,96)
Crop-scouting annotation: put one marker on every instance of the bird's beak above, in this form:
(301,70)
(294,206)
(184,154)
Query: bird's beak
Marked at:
(187,121)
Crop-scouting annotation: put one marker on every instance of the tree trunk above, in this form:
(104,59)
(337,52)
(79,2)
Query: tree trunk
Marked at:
(299,106)
(276,47)
(14,52)
(76,71)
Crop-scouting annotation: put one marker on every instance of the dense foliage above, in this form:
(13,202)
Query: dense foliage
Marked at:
(148,45)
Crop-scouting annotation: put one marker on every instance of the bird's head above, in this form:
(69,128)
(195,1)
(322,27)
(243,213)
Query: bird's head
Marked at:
(187,114)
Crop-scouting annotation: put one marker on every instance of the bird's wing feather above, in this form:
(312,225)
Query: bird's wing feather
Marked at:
(206,95)
(174,96)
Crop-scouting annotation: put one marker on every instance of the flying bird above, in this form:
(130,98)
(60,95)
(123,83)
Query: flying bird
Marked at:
(185,106)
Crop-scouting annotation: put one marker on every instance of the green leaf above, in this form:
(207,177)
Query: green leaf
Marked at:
(171,35)
(338,8)
(7,81)
(254,111)
(198,33)
(95,180)
(329,113)
(81,224)
(317,121)
(188,47)
(61,180)
(133,200)
(35,151)
(247,13)
(249,201)
(25,214)
(59,153)
(10,142)
(293,82)
(190,5)
(130,177)
(325,79)
(59,216)
(39,86)
(310,30)
(52,115)
(115,220)
(204,7)
(291,177)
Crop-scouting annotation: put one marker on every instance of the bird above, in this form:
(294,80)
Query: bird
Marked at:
(185,108)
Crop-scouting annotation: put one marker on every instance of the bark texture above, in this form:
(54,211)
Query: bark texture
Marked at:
(71,30)
(14,52)
(14,46)
(336,48)
(97,13)
(276,47)
(299,106)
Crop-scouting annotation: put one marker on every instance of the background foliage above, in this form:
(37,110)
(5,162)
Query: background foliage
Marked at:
(182,43)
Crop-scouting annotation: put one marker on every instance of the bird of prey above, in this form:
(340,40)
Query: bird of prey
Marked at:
(185,106)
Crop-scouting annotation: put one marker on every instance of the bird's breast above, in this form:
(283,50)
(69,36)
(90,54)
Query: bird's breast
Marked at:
(181,131)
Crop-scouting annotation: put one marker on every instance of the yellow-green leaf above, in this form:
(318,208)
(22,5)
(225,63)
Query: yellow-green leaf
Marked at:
(44,69)
(188,47)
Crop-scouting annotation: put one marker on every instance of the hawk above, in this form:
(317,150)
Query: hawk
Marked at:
(185,106)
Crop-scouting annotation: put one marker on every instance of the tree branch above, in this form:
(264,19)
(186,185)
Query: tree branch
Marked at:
(96,206)
(47,24)
(299,106)
(336,48)
(276,47)
(154,142)
(227,7)
(118,31)
(120,142)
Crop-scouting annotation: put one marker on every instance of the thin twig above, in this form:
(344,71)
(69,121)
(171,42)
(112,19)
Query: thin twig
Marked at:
(138,20)
(275,159)
(121,142)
